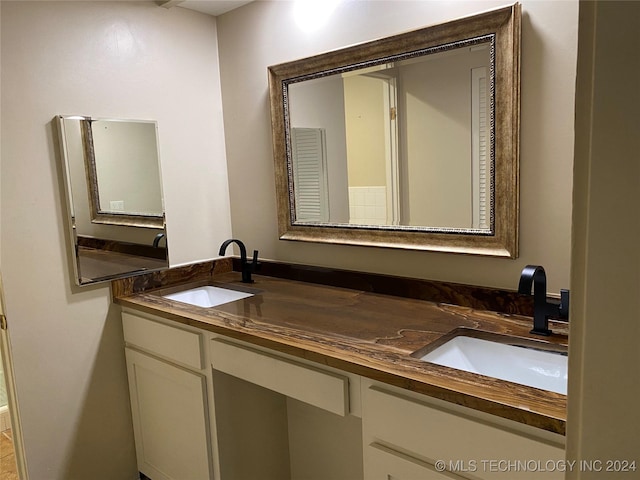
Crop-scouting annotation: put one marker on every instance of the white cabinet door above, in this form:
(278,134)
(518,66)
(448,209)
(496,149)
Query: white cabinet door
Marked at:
(170,419)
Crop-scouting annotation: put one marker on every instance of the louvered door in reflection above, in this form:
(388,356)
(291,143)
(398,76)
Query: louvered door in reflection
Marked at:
(310,175)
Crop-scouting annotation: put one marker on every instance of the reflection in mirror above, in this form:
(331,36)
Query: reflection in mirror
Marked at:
(114,197)
(123,172)
(409,141)
(410,137)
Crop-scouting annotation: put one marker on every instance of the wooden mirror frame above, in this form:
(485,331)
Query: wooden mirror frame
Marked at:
(502,26)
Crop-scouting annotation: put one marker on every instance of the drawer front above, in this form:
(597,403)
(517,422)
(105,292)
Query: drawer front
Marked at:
(382,463)
(316,387)
(435,434)
(173,343)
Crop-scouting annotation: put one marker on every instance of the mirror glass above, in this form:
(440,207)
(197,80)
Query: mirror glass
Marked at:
(113,192)
(409,141)
(123,171)
(401,143)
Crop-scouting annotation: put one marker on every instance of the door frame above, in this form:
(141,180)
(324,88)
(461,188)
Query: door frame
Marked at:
(12,400)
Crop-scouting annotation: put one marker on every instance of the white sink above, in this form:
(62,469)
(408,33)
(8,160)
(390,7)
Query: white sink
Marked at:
(208,296)
(537,368)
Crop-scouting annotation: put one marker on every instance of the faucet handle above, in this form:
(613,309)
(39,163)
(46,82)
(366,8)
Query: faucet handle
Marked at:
(254,263)
(563,308)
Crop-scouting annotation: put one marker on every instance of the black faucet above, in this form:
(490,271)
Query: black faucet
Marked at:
(535,276)
(156,241)
(247,268)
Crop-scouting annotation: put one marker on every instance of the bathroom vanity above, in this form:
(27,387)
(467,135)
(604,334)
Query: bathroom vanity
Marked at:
(301,380)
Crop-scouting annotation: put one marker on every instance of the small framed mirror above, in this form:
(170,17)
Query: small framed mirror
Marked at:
(123,172)
(410,141)
(113,193)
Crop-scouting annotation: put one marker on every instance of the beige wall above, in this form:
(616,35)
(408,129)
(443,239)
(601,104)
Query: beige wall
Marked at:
(127,165)
(111,60)
(365,131)
(436,99)
(264,33)
(604,386)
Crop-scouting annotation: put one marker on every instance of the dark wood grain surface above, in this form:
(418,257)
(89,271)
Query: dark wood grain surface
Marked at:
(365,333)
(474,296)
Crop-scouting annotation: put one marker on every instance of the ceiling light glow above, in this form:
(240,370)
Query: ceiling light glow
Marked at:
(310,15)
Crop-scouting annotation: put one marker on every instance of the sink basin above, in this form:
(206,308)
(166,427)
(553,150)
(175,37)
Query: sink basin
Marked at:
(208,296)
(518,362)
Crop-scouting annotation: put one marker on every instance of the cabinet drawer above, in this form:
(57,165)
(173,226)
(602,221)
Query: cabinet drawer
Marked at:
(316,387)
(382,463)
(172,343)
(435,434)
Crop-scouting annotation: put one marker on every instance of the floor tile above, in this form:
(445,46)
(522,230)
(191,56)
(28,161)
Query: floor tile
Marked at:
(8,470)
(6,445)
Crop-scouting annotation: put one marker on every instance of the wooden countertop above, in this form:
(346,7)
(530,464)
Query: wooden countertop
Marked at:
(368,334)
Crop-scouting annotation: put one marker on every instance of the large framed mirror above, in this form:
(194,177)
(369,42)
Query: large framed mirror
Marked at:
(113,192)
(410,141)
